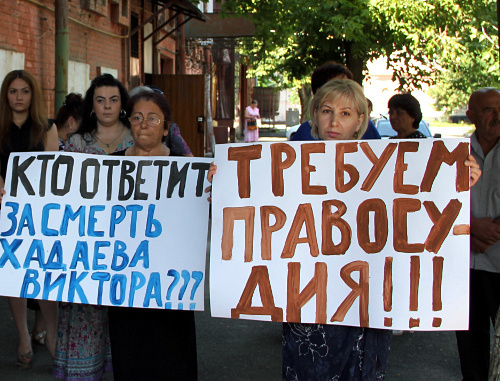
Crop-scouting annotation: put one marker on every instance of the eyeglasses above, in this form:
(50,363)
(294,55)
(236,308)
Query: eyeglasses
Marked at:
(151,121)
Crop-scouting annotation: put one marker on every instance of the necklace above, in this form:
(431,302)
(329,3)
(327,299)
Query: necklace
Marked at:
(114,140)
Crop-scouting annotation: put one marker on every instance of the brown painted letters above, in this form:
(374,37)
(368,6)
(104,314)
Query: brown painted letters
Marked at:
(316,286)
(277,166)
(243,155)
(306,151)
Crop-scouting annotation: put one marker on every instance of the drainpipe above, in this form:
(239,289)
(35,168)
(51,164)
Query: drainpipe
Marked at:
(182,45)
(61,59)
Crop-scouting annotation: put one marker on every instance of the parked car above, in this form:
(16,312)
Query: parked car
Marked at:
(385,129)
(291,131)
(459,118)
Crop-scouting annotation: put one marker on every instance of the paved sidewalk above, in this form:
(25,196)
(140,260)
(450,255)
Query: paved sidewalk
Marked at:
(247,350)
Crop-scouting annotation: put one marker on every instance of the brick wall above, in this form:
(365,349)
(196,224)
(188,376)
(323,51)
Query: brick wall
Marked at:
(28,27)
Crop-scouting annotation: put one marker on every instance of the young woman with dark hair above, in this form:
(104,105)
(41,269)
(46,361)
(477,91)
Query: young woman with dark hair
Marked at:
(105,127)
(24,127)
(83,349)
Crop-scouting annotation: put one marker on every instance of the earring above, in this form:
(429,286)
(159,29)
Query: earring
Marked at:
(123,113)
(92,114)
(355,135)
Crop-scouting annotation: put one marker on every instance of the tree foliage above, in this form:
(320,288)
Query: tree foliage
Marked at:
(451,44)
(294,37)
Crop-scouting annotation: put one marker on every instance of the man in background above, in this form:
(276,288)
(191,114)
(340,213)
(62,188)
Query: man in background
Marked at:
(474,344)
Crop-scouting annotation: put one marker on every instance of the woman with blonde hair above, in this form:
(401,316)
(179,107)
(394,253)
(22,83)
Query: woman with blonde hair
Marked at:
(339,111)
(24,127)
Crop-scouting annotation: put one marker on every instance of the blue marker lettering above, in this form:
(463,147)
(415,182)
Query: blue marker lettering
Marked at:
(118,213)
(142,253)
(133,219)
(101,277)
(81,254)
(92,221)
(48,287)
(98,255)
(187,277)
(8,252)
(46,231)
(35,253)
(55,261)
(70,215)
(26,220)
(119,252)
(11,216)
(138,280)
(153,226)
(118,280)
(74,285)
(153,291)
(30,278)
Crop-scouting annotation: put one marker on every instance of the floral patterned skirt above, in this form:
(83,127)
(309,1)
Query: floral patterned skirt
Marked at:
(83,350)
(334,352)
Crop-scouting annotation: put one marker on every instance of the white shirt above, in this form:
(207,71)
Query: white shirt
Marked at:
(485,202)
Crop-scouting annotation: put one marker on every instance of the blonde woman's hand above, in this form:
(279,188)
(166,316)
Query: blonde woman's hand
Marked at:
(210,175)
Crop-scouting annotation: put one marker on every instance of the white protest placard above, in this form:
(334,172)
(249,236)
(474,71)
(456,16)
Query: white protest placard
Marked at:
(105,230)
(358,233)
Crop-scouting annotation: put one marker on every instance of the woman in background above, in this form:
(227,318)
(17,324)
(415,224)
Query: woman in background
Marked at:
(83,349)
(68,118)
(174,141)
(405,116)
(252,113)
(24,127)
(105,127)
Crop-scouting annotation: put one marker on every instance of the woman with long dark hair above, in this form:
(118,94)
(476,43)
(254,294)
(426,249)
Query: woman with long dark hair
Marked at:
(105,127)
(83,350)
(24,127)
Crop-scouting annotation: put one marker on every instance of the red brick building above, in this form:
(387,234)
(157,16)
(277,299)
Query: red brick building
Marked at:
(114,36)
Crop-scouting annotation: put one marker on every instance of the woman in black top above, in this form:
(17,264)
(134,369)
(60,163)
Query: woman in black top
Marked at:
(24,127)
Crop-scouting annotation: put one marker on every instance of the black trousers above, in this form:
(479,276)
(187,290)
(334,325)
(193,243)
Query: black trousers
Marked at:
(474,344)
(152,345)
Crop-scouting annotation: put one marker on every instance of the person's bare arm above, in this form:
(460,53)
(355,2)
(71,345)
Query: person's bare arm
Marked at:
(485,229)
(210,175)
(477,245)
(52,139)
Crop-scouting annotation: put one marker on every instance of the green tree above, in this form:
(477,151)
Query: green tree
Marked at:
(293,37)
(450,43)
